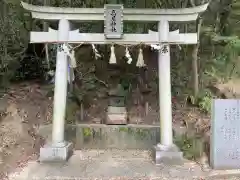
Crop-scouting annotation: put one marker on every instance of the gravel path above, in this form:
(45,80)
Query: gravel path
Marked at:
(113,164)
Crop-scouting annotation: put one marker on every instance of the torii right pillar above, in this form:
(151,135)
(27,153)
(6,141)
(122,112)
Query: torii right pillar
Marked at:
(165,151)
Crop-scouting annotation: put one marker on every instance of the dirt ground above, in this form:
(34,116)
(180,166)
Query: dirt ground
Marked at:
(23,109)
(26,106)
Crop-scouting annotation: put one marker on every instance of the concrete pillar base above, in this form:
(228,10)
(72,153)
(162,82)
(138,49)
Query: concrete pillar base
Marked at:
(167,155)
(53,153)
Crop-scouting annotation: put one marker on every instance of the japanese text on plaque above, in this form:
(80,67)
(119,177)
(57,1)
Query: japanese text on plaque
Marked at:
(113,21)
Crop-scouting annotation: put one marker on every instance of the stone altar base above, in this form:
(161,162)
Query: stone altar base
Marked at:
(116,115)
(167,155)
(51,153)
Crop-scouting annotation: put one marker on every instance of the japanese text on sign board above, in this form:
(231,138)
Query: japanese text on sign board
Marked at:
(113,21)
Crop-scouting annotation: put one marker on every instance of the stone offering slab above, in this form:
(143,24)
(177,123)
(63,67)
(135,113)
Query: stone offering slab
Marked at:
(225,134)
(116,115)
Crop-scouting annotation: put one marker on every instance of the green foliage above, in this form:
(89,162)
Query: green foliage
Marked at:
(223,64)
(87,132)
(220,63)
(191,146)
(233,48)
(13,38)
(87,88)
(71,111)
(203,100)
(219,68)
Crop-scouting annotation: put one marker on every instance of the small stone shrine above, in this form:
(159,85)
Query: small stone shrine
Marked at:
(225,141)
(117,113)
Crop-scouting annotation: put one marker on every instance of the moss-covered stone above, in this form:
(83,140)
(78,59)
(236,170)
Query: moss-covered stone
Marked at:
(136,132)
(87,132)
(100,136)
(142,133)
(123,129)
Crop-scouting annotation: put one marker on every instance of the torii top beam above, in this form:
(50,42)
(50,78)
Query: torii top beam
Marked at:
(81,14)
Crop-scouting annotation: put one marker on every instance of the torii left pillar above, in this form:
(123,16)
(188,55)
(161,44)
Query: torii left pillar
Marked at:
(59,149)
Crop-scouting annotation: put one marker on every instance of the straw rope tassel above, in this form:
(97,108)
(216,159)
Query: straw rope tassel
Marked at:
(140,61)
(112,59)
(73,63)
(71,66)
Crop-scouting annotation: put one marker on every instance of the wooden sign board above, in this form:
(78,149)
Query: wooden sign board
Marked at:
(113,21)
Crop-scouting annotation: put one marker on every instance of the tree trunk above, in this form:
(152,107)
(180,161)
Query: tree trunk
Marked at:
(195,62)
(195,74)
(45,29)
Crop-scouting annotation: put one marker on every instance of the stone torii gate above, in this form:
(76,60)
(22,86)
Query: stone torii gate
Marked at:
(113,15)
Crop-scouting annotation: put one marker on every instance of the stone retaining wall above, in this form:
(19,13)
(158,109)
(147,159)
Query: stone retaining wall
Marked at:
(101,136)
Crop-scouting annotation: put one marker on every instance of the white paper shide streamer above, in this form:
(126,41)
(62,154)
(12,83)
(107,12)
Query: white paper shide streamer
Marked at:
(71,76)
(95,51)
(156,47)
(140,61)
(128,56)
(72,61)
(71,54)
(112,59)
